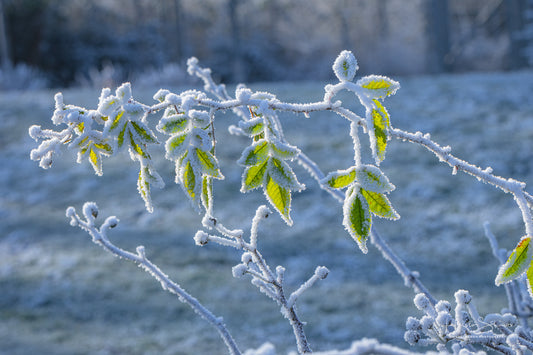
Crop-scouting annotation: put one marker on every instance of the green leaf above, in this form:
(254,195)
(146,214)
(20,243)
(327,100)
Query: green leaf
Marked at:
(207,193)
(518,262)
(340,178)
(189,180)
(144,189)
(175,146)
(282,150)
(96,161)
(173,124)
(116,121)
(252,127)
(282,173)
(138,147)
(379,204)
(377,86)
(371,178)
(144,132)
(279,197)
(253,176)
(121,135)
(380,120)
(357,218)
(255,153)
(209,164)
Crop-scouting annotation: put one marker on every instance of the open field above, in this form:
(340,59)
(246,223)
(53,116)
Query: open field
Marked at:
(61,294)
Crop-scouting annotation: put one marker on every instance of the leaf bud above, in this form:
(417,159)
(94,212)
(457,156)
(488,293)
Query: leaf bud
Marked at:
(421,301)
(345,66)
(246,258)
(90,210)
(201,238)
(412,324)
(412,337)
(462,297)
(443,306)
(35,131)
(322,272)
(239,270)
(444,319)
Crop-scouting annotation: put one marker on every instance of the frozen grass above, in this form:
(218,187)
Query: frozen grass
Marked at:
(60,294)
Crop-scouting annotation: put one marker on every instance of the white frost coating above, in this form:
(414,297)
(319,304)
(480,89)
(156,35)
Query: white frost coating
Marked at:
(90,211)
(422,302)
(161,94)
(243,94)
(201,238)
(463,297)
(412,324)
(345,66)
(444,319)
(443,306)
(265,349)
(246,258)
(239,270)
(371,178)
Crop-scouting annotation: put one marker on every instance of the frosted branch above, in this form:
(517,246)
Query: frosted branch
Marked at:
(90,211)
(254,264)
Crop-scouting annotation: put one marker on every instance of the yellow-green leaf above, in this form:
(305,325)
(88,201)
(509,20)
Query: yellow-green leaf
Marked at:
(282,173)
(209,164)
(378,86)
(207,193)
(379,204)
(357,218)
(116,121)
(340,178)
(254,154)
(371,178)
(253,176)
(380,120)
(189,180)
(143,131)
(173,124)
(518,262)
(279,197)
(138,147)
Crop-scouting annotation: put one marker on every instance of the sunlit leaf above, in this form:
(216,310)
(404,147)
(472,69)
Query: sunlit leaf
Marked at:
(518,262)
(379,204)
(357,218)
(279,197)
(377,86)
(209,164)
(371,178)
(340,178)
(254,154)
(253,176)
(282,173)
(144,132)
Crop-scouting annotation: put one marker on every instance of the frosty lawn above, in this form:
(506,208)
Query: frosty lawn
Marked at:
(60,294)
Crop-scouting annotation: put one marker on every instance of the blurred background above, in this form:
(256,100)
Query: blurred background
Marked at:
(101,42)
(60,294)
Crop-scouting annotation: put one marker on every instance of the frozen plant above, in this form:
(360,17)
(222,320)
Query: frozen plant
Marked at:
(187,131)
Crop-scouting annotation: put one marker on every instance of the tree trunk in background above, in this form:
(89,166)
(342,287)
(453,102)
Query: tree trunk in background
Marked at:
(438,35)
(238,72)
(4,45)
(515,20)
(179,34)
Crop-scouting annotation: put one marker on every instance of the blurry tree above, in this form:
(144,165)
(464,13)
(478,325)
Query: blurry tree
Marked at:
(438,39)
(516,16)
(4,47)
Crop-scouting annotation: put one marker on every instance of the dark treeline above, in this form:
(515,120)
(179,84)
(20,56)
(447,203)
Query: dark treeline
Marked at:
(262,40)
